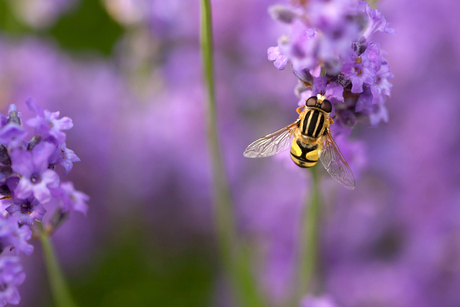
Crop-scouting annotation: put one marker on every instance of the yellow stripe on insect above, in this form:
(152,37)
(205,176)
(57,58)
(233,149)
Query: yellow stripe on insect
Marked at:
(313,155)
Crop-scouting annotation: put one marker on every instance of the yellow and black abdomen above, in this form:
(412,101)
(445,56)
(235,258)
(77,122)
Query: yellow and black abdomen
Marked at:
(304,155)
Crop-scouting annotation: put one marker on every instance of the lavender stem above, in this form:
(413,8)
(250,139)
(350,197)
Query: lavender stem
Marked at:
(308,253)
(59,290)
(235,258)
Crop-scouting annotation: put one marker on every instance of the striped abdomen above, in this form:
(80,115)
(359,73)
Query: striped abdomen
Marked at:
(313,123)
(304,155)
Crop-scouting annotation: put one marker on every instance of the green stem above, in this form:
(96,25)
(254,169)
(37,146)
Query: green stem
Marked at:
(308,254)
(222,199)
(236,259)
(59,290)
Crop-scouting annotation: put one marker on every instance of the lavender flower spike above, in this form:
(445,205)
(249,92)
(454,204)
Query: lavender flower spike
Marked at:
(333,39)
(36,178)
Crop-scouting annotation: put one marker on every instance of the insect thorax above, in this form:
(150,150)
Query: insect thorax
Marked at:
(313,123)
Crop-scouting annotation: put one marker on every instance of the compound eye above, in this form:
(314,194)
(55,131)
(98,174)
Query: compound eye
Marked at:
(311,102)
(326,106)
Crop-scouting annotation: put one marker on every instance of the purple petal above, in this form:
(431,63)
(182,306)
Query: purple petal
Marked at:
(41,191)
(357,85)
(41,154)
(34,107)
(64,123)
(23,235)
(21,162)
(12,135)
(280,60)
(334,92)
(35,122)
(50,178)
(24,188)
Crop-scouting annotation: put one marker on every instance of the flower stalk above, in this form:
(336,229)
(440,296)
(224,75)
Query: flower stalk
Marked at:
(59,289)
(309,250)
(236,259)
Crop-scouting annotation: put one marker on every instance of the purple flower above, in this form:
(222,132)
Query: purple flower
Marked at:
(12,134)
(36,178)
(13,235)
(11,276)
(364,103)
(376,21)
(47,123)
(300,47)
(71,198)
(330,40)
(345,121)
(377,111)
(382,86)
(362,69)
(27,210)
(64,156)
(332,90)
(279,59)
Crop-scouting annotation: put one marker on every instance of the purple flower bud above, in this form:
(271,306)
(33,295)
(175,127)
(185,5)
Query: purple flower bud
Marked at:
(58,218)
(283,13)
(14,115)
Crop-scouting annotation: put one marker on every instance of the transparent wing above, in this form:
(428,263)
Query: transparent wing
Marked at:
(335,163)
(271,144)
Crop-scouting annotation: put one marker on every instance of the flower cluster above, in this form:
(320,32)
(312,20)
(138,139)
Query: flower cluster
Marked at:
(27,182)
(330,49)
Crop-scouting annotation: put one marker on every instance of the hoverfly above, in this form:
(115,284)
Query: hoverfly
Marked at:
(310,139)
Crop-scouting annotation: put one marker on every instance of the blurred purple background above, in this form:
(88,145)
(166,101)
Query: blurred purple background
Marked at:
(138,109)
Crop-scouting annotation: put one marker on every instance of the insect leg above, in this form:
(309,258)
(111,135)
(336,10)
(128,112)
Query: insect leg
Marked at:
(298,109)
